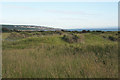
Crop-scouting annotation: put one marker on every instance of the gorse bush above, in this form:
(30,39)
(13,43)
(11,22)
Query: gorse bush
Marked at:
(15,35)
(84,31)
(112,38)
(5,30)
(71,38)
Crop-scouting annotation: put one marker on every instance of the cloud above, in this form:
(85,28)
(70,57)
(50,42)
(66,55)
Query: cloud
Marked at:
(69,12)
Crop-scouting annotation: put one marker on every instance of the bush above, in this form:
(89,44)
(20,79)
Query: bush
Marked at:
(71,38)
(98,31)
(112,38)
(88,31)
(5,30)
(16,35)
(103,32)
(84,31)
(59,32)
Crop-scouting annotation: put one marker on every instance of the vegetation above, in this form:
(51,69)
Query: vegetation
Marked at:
(71,38)
(60,54)
(5,30)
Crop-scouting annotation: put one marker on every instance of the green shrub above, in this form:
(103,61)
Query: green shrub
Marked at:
(84,31)
(112,38)
(15,35)
(71,38)
(5,30)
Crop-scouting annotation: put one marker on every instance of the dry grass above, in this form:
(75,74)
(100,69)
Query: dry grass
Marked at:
(58,59)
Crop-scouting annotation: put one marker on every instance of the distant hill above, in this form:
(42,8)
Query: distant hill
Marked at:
(30,28)
(43,28)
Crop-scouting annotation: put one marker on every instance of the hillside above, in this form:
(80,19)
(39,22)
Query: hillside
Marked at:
(30,28)
(59,54)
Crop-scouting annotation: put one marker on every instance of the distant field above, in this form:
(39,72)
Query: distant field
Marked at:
(60,54)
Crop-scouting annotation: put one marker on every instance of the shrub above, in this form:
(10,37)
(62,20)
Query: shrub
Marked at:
(71,38)
(59,32)
(103,32)
(112,38)
(104,37)
(88,31)
(5,30)
(84,31)
(98,31)
(63,30)
(15,35)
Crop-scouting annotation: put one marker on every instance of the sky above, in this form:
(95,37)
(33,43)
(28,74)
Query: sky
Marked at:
(60,0)
(66,15)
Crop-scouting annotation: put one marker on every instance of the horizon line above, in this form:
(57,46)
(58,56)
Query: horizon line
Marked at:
(110,27)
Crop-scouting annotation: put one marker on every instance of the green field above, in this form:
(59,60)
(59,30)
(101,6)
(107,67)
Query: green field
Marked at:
(60,54)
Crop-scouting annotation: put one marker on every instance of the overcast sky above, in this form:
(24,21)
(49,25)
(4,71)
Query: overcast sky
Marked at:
(66,15)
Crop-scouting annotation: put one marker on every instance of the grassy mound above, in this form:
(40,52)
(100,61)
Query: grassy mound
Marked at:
(60,55)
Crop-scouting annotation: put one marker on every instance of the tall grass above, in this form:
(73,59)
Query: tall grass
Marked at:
(49,56)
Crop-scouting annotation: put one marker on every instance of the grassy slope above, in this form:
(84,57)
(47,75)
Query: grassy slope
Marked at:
(50,56)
